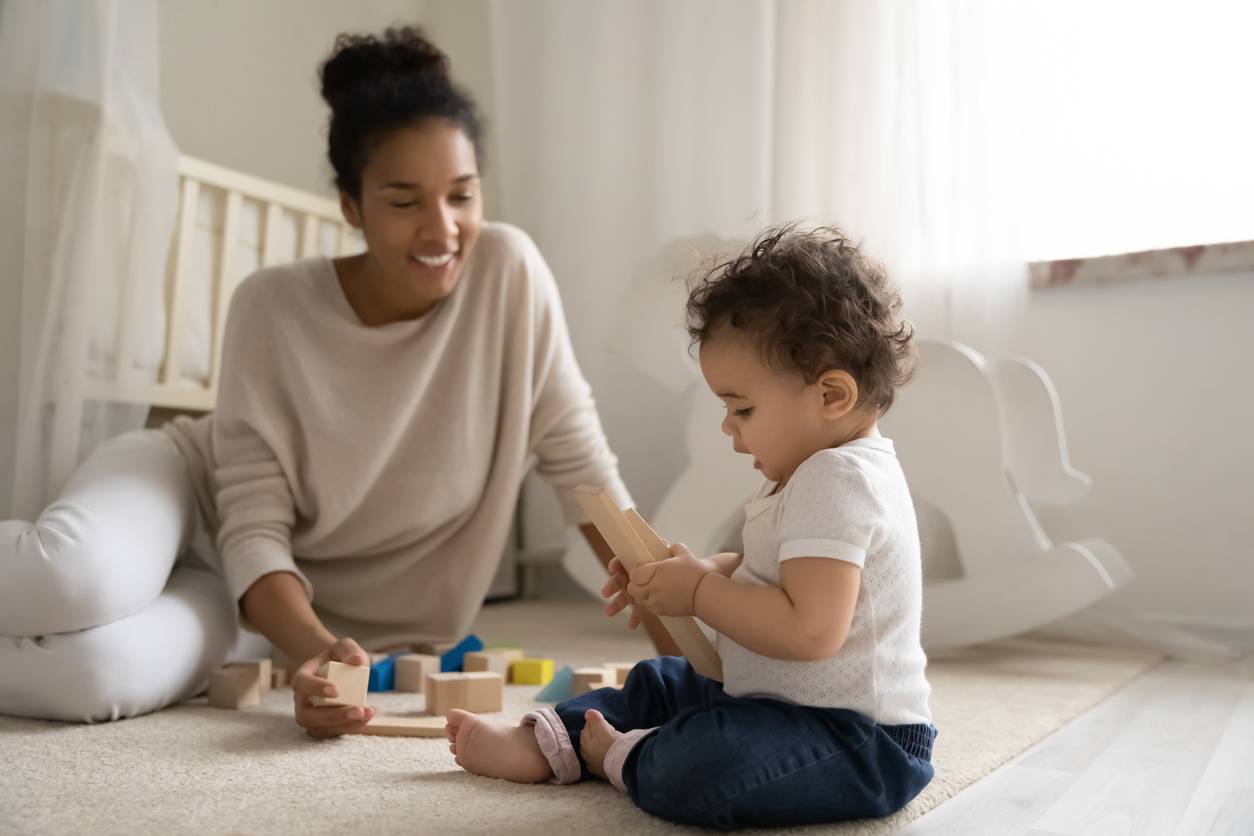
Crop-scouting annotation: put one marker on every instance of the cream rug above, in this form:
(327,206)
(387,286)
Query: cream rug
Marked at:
(196,769)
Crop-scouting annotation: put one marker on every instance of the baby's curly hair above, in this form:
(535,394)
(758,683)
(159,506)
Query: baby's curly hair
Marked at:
(813,301)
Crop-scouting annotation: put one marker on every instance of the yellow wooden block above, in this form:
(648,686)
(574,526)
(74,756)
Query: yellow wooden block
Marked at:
(531,671)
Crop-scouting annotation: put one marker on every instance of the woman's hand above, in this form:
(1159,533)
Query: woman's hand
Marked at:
(668,587)
(616,588)
(328,720)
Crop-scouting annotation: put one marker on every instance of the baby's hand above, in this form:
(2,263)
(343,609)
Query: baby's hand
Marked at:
(668,587)
(616,588)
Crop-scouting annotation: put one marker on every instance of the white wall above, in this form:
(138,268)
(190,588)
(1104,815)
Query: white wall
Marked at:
(240,78)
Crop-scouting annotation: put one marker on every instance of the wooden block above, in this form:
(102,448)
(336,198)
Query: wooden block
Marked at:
(531,671)
(351,680)
(412,670)
(382,724)
(621,669)
(511,653)
(479,692)
(490,660)
(634,544)
(279,678)
(234,687)
(259,668)
(590,679)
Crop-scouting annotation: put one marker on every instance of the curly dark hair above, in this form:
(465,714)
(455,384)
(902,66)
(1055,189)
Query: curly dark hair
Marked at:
(812,301)
(378,84)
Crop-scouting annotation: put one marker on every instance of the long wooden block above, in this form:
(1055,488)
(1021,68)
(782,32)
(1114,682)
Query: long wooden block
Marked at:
(620,671)
(590,679)
(350,681)
(382,724)
(412,670)
(479,692)
(635,543)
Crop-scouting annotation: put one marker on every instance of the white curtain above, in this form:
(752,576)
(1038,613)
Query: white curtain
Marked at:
(88,192)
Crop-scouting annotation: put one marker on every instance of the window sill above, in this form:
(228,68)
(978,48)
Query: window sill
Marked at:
(1149,264)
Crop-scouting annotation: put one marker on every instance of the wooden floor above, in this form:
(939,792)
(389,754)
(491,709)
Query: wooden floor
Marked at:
(1172,753)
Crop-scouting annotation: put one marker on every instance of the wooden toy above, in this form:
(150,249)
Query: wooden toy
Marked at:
(382,724)
(634,544)
(234,687)
(451,654)
(412,670)
(620,669)
(350,680)
(590,679)
(560,687)
(480,691)
(496,661)
(279,678)
(382,675)
(261,669)
(531,671)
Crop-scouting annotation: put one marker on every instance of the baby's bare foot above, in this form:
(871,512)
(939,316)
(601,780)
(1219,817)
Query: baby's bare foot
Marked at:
(494,749)
(595,740)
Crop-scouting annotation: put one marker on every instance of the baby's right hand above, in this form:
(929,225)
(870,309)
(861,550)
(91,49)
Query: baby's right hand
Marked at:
(616,588)
(328,720)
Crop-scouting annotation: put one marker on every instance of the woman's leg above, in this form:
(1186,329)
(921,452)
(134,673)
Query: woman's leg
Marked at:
(131,666)
(103,551)
(765,763)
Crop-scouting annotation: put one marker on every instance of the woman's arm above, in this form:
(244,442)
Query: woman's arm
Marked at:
(277,606)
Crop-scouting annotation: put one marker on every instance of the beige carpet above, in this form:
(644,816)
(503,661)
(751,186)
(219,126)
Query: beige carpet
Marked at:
(196,769)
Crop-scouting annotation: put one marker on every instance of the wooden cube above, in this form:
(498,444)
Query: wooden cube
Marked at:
(531,671)
(279,678)
(490,660)
(479,692)
(590,679)
(620,670)
(350,680)
(412,670)
(234,687)
(258,668)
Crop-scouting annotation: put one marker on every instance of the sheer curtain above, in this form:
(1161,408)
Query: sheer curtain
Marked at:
(637,138)
(89,176)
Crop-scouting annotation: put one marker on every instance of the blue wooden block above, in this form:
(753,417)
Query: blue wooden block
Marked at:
(383,675)
(452,661)
(561,687)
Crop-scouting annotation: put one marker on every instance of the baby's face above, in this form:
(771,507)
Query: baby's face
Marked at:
(771,415)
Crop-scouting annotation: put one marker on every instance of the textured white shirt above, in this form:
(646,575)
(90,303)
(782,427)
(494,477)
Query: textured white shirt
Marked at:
(847,503)
(382,465)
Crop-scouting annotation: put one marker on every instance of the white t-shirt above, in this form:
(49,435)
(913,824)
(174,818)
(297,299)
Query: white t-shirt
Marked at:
(847,503)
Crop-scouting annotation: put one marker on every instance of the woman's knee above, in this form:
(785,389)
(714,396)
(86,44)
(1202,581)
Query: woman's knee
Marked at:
(126,668)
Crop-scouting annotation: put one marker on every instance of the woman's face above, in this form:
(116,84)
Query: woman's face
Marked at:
(420,211)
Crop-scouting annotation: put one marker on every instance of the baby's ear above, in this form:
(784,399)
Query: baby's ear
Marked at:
(839,392)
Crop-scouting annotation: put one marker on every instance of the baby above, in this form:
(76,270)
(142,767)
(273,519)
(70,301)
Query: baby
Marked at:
(823,715)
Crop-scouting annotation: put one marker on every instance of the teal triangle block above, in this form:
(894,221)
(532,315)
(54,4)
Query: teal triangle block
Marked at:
(560,687)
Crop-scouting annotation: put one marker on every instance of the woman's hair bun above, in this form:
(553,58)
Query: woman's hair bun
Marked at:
(358,62)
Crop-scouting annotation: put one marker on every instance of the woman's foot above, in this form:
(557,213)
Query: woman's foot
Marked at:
(495,749)
(595,740)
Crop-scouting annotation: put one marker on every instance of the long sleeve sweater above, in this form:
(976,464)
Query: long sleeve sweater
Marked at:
(382,465)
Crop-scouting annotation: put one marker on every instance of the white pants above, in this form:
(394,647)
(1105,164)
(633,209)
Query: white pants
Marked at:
(105,610)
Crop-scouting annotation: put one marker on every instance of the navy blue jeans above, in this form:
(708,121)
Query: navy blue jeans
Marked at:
(731,762)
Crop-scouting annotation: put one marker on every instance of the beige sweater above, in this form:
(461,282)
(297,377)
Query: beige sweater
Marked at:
(382,465)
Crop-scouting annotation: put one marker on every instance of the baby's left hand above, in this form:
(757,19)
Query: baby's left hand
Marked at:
(668,587)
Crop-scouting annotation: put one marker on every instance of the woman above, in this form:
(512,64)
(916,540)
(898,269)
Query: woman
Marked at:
(375,419)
